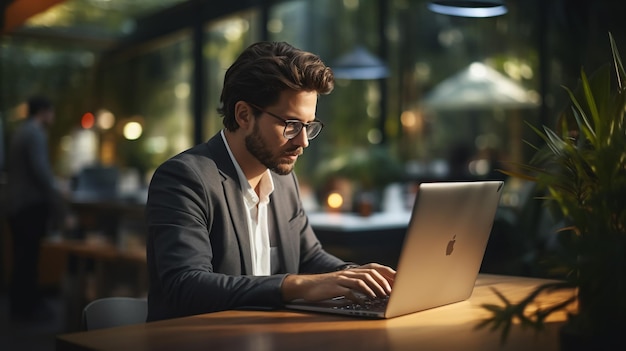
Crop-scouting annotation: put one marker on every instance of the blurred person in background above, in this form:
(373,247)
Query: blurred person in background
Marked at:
(32,196)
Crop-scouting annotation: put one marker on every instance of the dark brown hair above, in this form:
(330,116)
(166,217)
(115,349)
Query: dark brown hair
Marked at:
(37,104)
(264,70)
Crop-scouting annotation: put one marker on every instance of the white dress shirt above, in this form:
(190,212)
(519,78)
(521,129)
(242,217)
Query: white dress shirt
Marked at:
(256,216)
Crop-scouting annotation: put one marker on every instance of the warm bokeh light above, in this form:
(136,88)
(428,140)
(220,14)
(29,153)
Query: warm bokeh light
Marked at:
(412,121)
(21,111)
(88,120)
(105,119)
(408,119)
(132,130)
(107,149)
(334,200)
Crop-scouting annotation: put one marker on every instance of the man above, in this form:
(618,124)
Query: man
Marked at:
(31,195)
(226,227)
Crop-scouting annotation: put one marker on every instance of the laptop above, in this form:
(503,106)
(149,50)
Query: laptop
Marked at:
(441,255)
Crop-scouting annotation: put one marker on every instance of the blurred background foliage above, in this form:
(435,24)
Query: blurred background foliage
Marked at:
(161,64)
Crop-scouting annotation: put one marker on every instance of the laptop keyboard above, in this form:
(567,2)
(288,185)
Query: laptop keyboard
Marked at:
(369,304)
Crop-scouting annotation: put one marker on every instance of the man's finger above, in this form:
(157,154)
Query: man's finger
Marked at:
(373,279)
(355,296)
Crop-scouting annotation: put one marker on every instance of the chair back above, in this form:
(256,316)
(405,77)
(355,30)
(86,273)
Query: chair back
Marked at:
(114,311)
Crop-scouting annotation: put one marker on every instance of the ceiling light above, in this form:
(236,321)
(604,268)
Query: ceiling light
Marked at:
(468,8)
(359,64)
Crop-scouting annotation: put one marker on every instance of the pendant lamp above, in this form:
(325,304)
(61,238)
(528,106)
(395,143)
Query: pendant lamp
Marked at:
(359,64)
(468,8)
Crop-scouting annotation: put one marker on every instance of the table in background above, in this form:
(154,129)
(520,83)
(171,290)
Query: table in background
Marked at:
(450,327)
(100,253)
(96,258)
(112,218)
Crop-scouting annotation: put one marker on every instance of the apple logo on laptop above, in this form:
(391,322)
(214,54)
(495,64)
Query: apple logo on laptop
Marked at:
(450,246)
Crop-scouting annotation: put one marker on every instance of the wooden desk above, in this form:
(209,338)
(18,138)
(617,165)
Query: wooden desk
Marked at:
(445,328)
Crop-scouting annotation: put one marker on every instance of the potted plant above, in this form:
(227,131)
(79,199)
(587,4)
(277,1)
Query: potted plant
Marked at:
(582,170)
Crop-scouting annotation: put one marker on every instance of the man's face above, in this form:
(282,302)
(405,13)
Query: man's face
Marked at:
(266,141)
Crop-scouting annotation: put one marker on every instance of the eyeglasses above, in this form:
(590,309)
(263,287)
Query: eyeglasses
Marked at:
(293,127)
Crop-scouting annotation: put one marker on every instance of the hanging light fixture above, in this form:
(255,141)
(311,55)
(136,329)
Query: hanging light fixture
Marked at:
(468,8)
(359,64)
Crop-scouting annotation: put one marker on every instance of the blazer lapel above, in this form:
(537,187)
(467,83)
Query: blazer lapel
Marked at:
(236,208)
(234,199)
(287,246)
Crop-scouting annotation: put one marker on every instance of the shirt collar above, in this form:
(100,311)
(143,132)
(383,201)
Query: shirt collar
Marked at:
(266,184)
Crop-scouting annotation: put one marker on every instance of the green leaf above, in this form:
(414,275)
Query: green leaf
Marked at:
(584,125)
(590,99)
(617,61)
(554,142)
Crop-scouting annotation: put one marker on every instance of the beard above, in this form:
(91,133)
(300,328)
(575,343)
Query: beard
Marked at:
(259,149)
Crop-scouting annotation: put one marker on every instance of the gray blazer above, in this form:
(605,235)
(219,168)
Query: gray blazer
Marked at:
(198,249)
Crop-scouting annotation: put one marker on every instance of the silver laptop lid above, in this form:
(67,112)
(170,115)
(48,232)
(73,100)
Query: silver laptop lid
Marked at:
(444,245)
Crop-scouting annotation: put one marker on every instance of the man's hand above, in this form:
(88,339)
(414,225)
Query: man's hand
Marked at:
(373,280)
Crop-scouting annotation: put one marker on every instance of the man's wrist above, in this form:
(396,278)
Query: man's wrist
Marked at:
(290,287)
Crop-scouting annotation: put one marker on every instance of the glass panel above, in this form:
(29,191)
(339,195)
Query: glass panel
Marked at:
(108,18)
(154,90)
(61,73)
(423,50)
(352,112)
(225,40)
(460,89)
